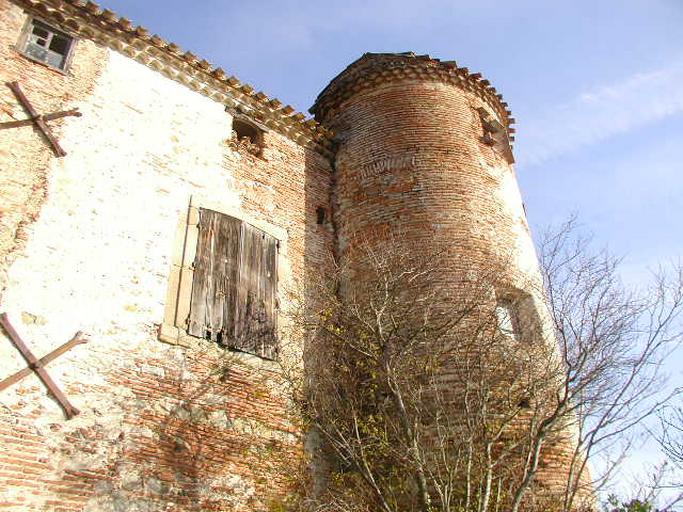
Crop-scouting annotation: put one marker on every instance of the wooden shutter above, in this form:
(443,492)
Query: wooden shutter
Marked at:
(234,288)
(212,307)
(255,311)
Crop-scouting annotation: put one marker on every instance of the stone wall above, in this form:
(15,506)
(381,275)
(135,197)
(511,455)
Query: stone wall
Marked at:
(24,153)
(87,244)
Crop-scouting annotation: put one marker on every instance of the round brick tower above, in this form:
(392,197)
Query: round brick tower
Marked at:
(424,149)
(423,156)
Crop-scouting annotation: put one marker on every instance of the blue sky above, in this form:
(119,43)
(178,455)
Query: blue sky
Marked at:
(596,87)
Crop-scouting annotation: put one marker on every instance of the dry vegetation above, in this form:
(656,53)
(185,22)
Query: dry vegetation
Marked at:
(420,396)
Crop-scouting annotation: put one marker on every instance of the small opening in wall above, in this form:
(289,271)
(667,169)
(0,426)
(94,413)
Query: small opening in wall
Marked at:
(495,134)
(517,316)
(321,215)
(246,136)
(46,44)
(245,130)
(506,316)
(488,139)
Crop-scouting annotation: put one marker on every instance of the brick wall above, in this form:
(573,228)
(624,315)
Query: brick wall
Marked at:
(87,242)
(412,161)
(412,174)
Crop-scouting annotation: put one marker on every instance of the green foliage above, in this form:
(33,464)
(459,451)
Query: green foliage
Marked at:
(635,505)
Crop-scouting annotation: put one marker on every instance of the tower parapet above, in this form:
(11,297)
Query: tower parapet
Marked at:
(423,153)
(373,68)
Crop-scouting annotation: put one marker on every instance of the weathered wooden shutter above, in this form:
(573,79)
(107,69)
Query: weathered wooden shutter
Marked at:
(212,307)
(255,311)
(234,289)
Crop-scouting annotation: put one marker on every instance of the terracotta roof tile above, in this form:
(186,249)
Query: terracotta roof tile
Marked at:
(374,68)
(90,20)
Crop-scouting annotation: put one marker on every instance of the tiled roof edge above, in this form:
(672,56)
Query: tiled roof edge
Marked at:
(374,68)
(87,19)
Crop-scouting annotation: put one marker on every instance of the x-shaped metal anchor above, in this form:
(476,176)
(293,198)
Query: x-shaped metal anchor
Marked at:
(38,365)
(37,119)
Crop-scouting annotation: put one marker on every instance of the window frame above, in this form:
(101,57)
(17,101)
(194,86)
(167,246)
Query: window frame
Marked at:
(25,36)
(174,329)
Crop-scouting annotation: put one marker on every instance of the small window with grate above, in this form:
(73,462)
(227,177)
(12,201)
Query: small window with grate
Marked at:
(45,44)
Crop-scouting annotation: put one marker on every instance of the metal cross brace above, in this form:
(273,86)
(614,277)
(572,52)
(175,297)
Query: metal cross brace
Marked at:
(37,119)
(38,365)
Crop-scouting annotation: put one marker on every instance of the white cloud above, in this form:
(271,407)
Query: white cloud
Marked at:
(602,113)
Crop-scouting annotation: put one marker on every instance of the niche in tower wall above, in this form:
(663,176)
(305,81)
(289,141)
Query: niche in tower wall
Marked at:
(234,285)
(517,316)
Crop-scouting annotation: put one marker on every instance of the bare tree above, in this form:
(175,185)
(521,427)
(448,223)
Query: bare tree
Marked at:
(613,341)
(669,477)
(424,400)
(653,491)
(671,438)
(385,386)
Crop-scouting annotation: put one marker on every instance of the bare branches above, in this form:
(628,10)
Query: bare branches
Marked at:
(672,436)
(671,441)
(613,341)
(425,401)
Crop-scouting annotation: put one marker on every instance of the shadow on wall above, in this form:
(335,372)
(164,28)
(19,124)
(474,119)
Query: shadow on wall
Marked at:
(210,435)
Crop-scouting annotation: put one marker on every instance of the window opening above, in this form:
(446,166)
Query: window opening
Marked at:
(507,320)
(247,136)
(47,45)
(321,214)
